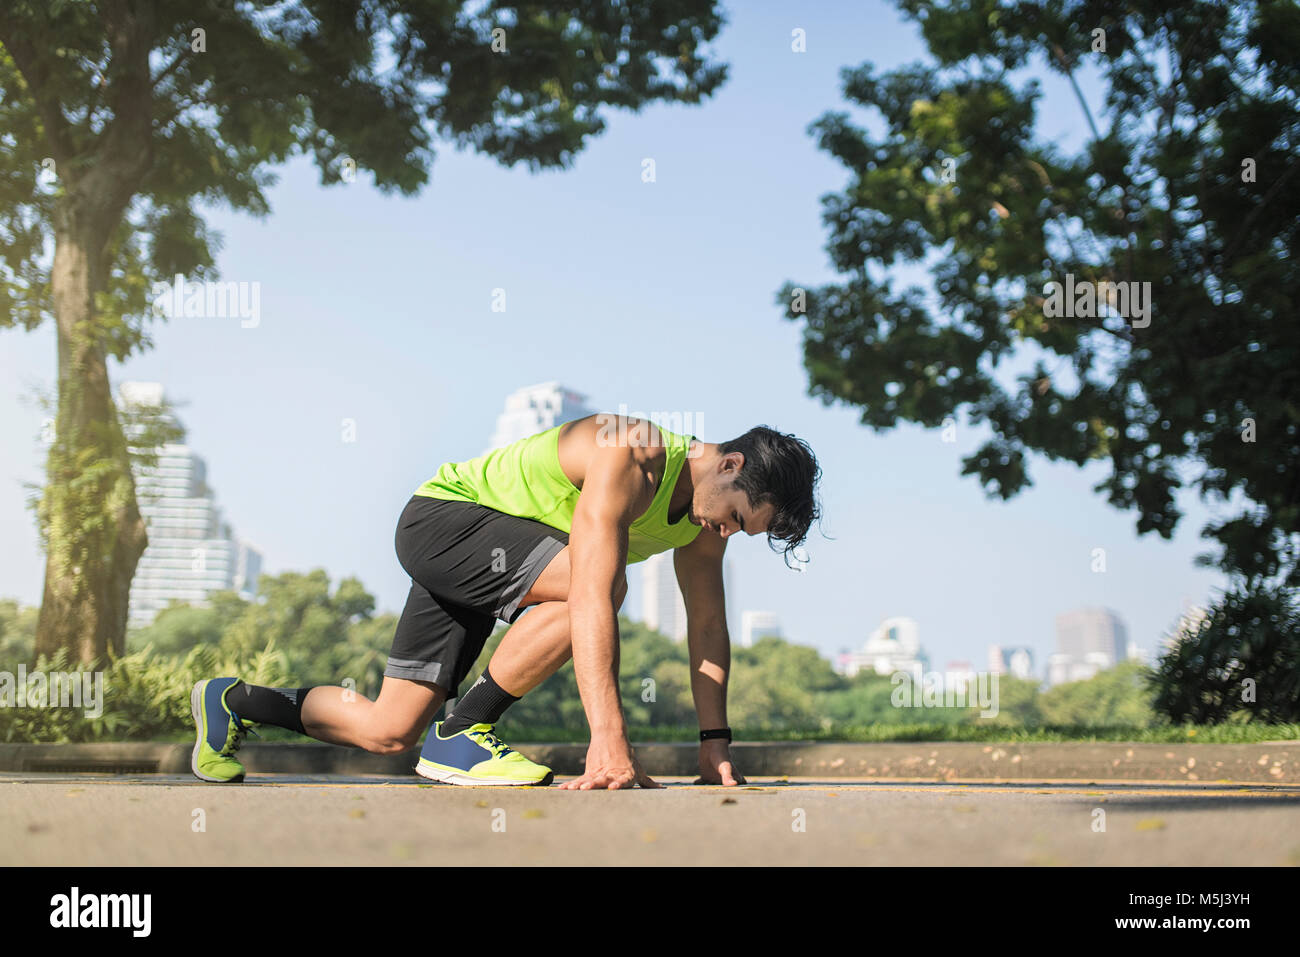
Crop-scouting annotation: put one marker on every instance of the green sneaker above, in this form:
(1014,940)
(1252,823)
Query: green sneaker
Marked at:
(477,756)
(218,732)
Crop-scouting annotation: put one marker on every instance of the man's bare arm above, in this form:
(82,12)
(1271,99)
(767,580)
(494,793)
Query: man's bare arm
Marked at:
(614,492)
(699,575)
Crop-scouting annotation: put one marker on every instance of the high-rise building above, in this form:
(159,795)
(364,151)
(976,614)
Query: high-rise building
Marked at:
(1091,630)
(1017,661)
(192,550)
(758,624)
(662,606)
(1088,640)
(536,408)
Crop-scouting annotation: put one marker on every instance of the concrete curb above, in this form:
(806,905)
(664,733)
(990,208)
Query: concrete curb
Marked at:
(1265,763)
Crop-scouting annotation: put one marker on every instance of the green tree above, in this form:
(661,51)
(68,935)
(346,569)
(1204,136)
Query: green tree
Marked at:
(776,684)
(1187,182)
(17,633)
(1241,661)
(654,677)
(119,117)
(1017,703)
(178,628)
(1116,696)
(866,699)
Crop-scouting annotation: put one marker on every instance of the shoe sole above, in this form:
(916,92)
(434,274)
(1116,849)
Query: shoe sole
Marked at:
(456,777)
(196,704)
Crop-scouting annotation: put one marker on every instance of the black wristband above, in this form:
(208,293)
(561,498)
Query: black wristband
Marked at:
(716,733)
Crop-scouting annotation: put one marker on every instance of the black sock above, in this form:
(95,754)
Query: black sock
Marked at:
(281,707)
(484,703)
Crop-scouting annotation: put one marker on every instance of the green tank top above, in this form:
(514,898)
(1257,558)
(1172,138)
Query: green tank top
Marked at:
(525,479)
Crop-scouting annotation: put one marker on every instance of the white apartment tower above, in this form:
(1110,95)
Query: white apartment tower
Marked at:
(192,550)
(758,624)
(662,606)
(536,408)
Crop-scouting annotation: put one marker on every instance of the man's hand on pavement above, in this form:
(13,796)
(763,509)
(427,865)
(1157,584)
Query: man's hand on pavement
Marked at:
(716,766)
(610,764)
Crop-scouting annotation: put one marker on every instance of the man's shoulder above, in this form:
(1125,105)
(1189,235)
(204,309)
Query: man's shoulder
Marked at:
(606,433)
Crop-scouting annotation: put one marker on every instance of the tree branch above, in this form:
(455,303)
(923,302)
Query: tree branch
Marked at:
(35,74)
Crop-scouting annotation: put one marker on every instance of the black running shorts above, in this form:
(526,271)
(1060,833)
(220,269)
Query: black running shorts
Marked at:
(469,565)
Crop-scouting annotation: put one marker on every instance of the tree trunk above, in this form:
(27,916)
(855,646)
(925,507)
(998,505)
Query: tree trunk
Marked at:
(93,529)
(90,522)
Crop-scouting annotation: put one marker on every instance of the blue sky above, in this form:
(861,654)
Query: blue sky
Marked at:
(658,295)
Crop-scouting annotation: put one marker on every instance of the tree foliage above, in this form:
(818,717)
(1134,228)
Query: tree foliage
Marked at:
(1187,181)
(1241,662)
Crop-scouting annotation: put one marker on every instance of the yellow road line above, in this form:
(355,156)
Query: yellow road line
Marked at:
(1158,788)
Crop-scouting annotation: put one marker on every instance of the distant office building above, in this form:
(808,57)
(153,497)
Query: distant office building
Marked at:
(755,625)
(1088,640)
(1134,653)
(1062,668)
(192,550)
(1016,661)
(536,408)
(662,606)
(1059,669)
(1091,630)
(895,645)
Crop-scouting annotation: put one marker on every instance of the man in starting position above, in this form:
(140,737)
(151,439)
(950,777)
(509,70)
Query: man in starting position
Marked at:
(549,522)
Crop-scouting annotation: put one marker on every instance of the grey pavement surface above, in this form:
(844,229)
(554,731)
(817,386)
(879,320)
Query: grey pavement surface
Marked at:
(157,819)
(1270,762)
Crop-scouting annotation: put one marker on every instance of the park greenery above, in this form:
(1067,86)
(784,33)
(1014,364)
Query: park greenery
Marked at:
(303,631)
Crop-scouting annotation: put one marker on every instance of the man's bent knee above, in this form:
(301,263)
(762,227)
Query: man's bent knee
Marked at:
(392,741)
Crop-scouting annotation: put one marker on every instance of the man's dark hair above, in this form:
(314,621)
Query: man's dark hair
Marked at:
(780,469)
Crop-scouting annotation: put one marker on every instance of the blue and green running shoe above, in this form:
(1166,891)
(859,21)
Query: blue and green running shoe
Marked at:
(218,732)
(477,756)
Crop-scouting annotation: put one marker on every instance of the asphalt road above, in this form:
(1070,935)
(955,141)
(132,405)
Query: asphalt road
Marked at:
(87,820)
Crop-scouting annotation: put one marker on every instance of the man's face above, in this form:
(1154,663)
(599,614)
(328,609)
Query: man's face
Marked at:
(724,509)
